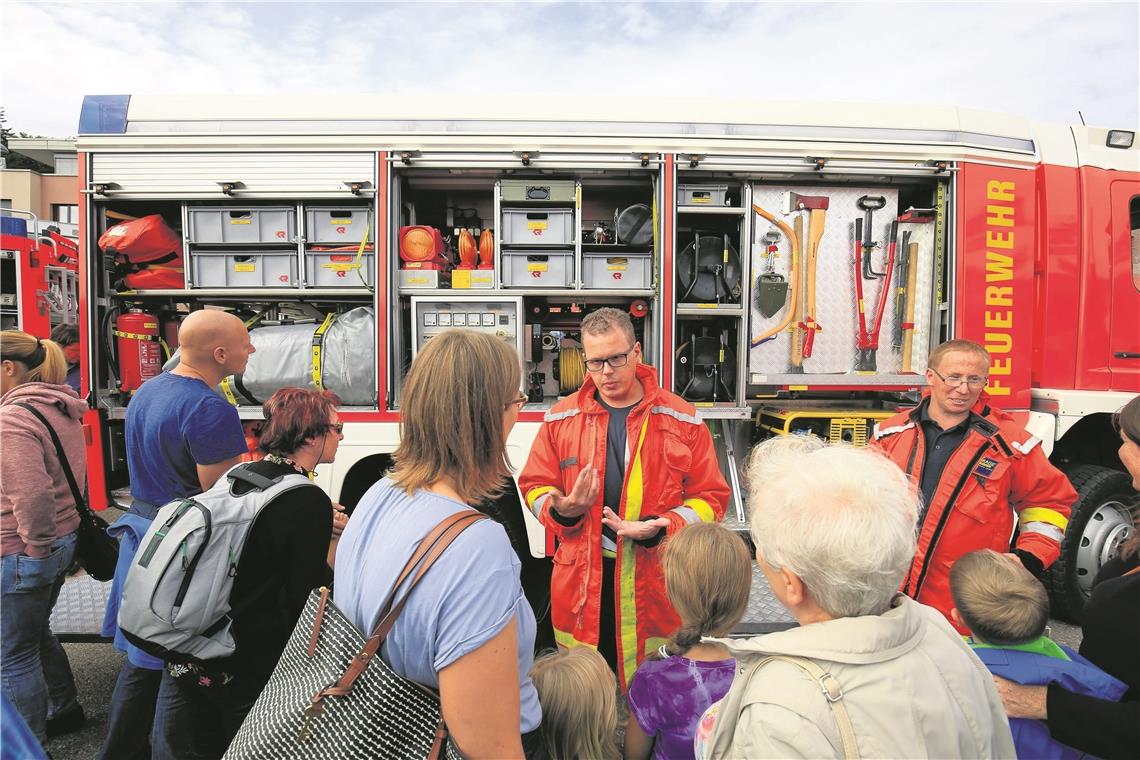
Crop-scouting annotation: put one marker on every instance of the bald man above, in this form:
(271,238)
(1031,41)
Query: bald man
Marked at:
(181,437)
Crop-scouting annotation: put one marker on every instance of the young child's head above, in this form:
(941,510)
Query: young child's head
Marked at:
(998,599)
(708,575)
(578,694)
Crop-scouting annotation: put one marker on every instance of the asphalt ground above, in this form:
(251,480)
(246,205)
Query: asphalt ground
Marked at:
(96,666)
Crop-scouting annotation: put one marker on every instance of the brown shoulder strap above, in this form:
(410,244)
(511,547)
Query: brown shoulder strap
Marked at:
(440,539)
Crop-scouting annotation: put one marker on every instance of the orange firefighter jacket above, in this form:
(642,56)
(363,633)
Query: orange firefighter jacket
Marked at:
(671,472)
(998,470)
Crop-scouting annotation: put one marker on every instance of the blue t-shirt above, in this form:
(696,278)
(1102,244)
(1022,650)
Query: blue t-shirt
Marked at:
(175,423)
(467,597)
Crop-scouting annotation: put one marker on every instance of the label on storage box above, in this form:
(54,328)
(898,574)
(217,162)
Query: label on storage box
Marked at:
(245,267)
(537,225)
(700,199)
(617,264)
(340,221)
(537,267)
(241,221)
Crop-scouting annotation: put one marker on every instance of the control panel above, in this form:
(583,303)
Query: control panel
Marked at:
(500,316)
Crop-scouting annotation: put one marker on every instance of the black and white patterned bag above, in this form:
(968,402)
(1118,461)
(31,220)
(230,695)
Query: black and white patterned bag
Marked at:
(332,696)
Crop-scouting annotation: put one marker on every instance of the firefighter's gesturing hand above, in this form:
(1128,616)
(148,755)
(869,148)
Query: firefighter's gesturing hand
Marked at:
(636,530)
(581,496)
(340,519)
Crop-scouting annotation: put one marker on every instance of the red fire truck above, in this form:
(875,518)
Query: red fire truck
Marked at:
(788,267)
(39,283)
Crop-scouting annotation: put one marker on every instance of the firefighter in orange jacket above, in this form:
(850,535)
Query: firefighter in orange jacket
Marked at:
(975,467)
(616,468)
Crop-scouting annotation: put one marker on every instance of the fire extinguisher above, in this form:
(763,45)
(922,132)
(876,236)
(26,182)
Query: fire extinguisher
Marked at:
(140,356)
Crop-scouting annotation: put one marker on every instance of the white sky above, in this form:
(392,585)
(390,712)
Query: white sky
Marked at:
(1041,60)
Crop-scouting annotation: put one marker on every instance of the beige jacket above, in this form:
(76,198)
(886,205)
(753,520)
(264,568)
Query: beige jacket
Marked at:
(910,684)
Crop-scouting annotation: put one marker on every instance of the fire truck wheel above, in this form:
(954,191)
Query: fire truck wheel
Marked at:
(1098,525)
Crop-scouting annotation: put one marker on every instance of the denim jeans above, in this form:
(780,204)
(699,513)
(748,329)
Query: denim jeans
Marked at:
(34,669)
(195,723)
(131,715)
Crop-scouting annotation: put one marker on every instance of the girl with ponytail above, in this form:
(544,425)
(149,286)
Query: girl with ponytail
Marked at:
(708,575)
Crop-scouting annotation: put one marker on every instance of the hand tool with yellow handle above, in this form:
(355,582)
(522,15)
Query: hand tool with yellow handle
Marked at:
(907,323)
(794,287)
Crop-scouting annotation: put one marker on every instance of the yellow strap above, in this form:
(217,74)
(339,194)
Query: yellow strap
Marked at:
(133,336)
(360,251)
(227,389)
(634,493)
(318,339)
(1045,515)
(702,508)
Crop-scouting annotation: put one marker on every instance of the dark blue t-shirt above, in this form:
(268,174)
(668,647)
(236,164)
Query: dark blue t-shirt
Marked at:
(175,423)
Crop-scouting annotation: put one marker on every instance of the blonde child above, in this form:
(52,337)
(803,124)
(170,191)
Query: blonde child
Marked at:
(578,694)
(1006,610)
(708,575)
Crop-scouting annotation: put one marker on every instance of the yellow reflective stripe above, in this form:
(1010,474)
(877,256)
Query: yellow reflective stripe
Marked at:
(1045,515)
(626,588)
(318,339)
(610,553)
(533,494)
(564,639)
(227,389)
(702,508)
(652,644)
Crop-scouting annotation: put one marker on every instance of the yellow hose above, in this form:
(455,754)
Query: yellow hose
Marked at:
(571,370)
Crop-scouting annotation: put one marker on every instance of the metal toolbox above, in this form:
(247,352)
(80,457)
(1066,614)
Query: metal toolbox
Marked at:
(263,224)
(338,269)
(701,195)
(534,226)
(419,278)
(531,269)
(335,224)
(243,269)
(611,271)
(537,191)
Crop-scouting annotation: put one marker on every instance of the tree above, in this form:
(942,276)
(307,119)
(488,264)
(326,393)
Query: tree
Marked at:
(17,160)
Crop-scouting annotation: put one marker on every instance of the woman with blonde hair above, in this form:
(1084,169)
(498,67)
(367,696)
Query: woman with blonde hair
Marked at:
(467,630)
(38,523)
(708,576)
(578,692)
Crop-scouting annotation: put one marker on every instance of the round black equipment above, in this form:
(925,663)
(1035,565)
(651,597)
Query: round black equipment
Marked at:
(705,370)
(635,225)
(705,274)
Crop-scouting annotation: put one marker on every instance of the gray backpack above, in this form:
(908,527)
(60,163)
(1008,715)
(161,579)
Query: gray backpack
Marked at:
(176,597)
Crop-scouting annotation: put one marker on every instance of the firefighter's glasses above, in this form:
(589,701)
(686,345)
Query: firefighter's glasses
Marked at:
(616,362)
(957,381)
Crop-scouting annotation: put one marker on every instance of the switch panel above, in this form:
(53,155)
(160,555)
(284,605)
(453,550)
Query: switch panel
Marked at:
(500,317)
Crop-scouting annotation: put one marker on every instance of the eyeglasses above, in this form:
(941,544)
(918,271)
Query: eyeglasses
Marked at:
(337,427)
(520,400)
(956,381)
(617,361)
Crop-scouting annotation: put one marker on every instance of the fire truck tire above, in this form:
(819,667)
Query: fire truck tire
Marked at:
(1099,523)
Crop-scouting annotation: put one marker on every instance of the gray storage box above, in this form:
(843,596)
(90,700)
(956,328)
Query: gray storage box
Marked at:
(243,225)
(611,271)
(535,269)
(538,226)
(338,269)
(243,269)
(336,224)
(537,191)
(419,278)
(701,195)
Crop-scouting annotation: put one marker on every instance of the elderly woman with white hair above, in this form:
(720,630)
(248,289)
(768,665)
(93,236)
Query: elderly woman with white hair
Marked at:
(868,672)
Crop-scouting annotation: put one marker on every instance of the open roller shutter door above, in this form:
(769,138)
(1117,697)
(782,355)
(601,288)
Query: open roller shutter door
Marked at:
(263,175)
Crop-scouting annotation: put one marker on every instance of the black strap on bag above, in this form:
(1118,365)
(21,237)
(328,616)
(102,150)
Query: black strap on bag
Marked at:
(98,552)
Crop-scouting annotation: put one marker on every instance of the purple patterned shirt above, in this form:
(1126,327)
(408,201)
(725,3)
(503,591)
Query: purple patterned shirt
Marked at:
(668,697)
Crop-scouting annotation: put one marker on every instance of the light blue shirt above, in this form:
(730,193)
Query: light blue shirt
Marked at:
(467,597)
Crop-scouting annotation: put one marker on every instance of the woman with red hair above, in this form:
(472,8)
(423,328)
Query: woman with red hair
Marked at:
(288,552)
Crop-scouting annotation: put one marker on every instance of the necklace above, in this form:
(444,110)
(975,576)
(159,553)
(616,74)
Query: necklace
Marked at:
(278,459)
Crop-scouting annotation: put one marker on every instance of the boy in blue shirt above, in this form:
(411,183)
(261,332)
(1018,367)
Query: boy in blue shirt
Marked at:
(1006,611)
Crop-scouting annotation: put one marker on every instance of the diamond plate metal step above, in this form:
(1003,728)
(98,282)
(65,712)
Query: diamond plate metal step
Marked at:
(78,613)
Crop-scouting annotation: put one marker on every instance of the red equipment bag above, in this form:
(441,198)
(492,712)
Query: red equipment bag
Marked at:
(155,278)
(147,240)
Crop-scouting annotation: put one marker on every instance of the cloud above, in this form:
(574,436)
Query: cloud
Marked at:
(1041,60)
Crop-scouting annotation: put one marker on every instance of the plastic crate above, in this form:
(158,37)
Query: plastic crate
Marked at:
(532,226)
(338,269)
(419,278)
(336,224)
(701,195)
(243,269)
(530,269)
(264,224)
(610,271)
(537,191)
